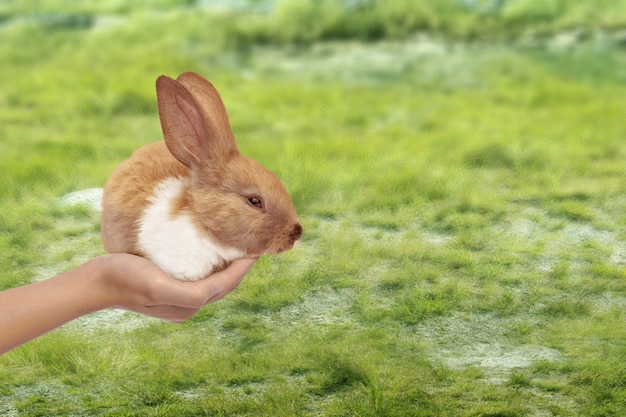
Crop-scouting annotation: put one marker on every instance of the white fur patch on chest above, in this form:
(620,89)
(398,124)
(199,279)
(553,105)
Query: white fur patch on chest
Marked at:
(173,242)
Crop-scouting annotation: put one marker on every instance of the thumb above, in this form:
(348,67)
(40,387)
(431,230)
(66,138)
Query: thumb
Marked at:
(217,285)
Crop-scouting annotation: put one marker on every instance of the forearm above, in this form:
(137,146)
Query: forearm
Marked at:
(32,310)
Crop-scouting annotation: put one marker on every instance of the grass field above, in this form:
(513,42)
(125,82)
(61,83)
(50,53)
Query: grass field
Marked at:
(459,170)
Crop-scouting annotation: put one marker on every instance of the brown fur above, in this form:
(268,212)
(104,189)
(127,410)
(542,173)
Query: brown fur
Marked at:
(129,187)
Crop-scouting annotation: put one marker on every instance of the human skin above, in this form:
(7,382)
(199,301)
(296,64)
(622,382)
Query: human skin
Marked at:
(109,281)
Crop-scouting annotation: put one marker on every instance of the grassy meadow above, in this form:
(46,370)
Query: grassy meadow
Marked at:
(459,168)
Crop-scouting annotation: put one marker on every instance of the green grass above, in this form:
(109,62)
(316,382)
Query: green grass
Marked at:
(462,198)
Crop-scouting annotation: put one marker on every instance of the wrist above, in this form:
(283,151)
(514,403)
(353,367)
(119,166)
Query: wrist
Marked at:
(96,277)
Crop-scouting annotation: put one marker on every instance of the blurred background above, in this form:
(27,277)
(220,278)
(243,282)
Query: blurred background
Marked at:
(458,166)
(78,69)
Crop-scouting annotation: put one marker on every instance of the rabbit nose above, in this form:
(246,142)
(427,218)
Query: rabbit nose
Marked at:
(296,232)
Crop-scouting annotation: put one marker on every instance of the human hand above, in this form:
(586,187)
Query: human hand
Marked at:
(116,280)
(136,284)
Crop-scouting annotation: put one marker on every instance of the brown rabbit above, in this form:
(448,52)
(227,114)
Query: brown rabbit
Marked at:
(193,204)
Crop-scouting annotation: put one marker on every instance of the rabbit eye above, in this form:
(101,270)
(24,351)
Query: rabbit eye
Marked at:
(255,201)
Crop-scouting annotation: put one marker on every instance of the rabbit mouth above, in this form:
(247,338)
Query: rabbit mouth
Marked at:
(288,240)
(280,248)
(295,233)
(288,246)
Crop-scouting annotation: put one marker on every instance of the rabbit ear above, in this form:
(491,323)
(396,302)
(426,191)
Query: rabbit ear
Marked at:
(183,128)
(194,121)
(213,112)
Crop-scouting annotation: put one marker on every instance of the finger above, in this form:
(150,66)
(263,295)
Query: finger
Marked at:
(223,282)
(197,294)
(170,313)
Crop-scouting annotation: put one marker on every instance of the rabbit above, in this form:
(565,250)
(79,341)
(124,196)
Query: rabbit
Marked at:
(192,204)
